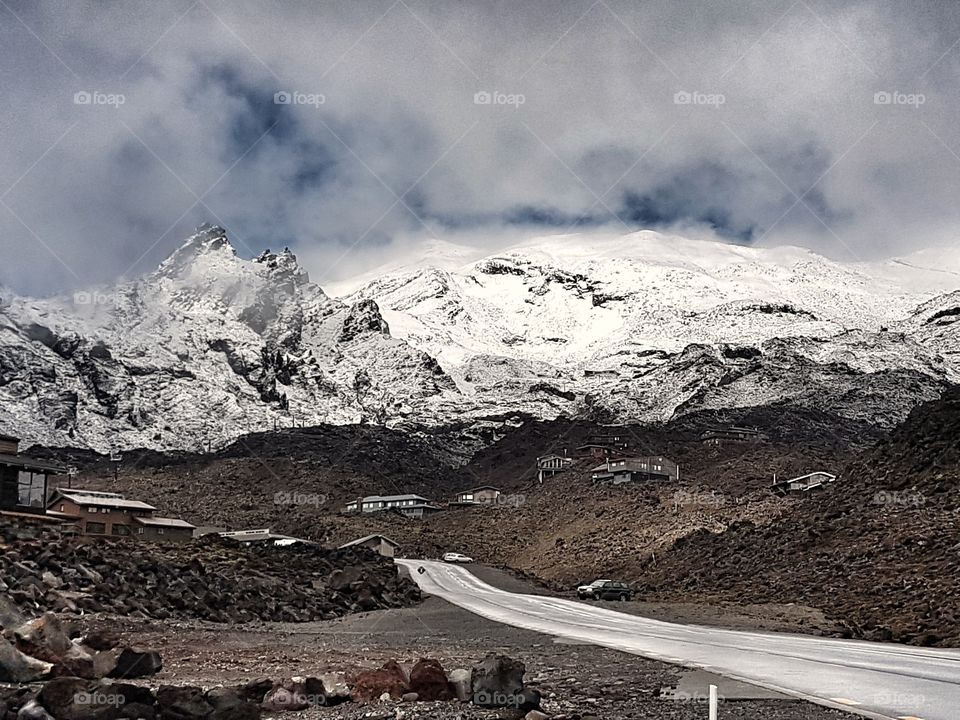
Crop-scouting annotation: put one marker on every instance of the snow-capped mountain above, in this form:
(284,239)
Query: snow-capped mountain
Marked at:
(645,325)
(639,327)
(205,348)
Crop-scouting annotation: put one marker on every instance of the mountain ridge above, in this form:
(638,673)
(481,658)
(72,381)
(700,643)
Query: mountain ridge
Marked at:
(210,346)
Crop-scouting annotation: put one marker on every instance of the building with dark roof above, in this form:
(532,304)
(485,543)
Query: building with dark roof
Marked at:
(805,483)
(483,495)
(379,543)
(414,506)
(23,480)
(625,470)
(550,465)
(110,514)
(262,536)
(730,435)
(164,529)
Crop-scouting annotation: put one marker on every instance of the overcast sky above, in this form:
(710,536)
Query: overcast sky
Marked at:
(126,124)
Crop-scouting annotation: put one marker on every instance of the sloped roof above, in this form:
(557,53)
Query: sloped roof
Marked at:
(262,535)
(360,541)
(165,522)
(28,463)
(641,464)
(392,498)
(88,498)
(807,476)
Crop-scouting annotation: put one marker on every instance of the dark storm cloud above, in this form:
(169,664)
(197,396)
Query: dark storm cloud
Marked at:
(337,127)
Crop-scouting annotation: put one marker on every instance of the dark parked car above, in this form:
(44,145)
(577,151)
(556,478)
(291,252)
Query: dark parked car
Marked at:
(611,590)
(585,592)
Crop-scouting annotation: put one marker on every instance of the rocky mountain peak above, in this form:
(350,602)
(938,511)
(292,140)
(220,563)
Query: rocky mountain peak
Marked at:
(363,318)
(209,242)
(283,264)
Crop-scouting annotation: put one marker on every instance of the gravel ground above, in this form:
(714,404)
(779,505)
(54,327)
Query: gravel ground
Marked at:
(577,681)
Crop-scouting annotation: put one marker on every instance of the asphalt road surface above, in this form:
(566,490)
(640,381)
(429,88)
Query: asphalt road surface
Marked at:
(876,680)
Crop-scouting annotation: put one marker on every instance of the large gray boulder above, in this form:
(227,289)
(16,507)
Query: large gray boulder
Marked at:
(230,704)
(328,689)
(16,667)
(134,663)
(182,703)
(497,681)
(45,638)
(33,710)
(10,615)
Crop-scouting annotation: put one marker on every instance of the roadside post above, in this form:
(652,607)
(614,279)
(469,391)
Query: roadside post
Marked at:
(713,702)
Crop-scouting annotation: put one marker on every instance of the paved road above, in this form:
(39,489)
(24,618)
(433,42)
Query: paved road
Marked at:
(872,679)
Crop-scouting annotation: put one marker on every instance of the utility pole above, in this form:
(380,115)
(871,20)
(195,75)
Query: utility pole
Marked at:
(116,458)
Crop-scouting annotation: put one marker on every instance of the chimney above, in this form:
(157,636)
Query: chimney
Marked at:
(9,445)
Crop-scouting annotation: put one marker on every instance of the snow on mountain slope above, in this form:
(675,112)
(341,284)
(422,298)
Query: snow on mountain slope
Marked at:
(210,346)
(648,324)
(205,348)
(577,301)
(936,323)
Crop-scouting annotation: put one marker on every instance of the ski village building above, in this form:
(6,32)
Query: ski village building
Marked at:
(108,514)
(626,470)
(24,481)
(260,536)
(413,506)
(550,465)
(730,435)
(485,494)
(379,543)
(604,445)
(804,483)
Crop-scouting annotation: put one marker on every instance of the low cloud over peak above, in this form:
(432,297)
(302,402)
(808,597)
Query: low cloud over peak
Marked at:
(335,129)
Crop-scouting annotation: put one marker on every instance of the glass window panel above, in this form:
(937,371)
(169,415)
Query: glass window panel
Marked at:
(30,489)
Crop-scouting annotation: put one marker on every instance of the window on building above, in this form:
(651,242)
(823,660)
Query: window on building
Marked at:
(120,530)
(139,531)
(30,489)
(95,528)
(159,531)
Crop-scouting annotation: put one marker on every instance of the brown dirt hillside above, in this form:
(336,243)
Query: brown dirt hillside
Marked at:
(877,562)
(249,483)
(880,549)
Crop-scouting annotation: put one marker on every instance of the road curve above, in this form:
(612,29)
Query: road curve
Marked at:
(876,680)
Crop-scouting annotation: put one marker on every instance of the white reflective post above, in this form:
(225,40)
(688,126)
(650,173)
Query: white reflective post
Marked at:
(713,702)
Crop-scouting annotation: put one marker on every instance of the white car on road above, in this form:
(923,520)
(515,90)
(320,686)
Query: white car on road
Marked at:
(456,558)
